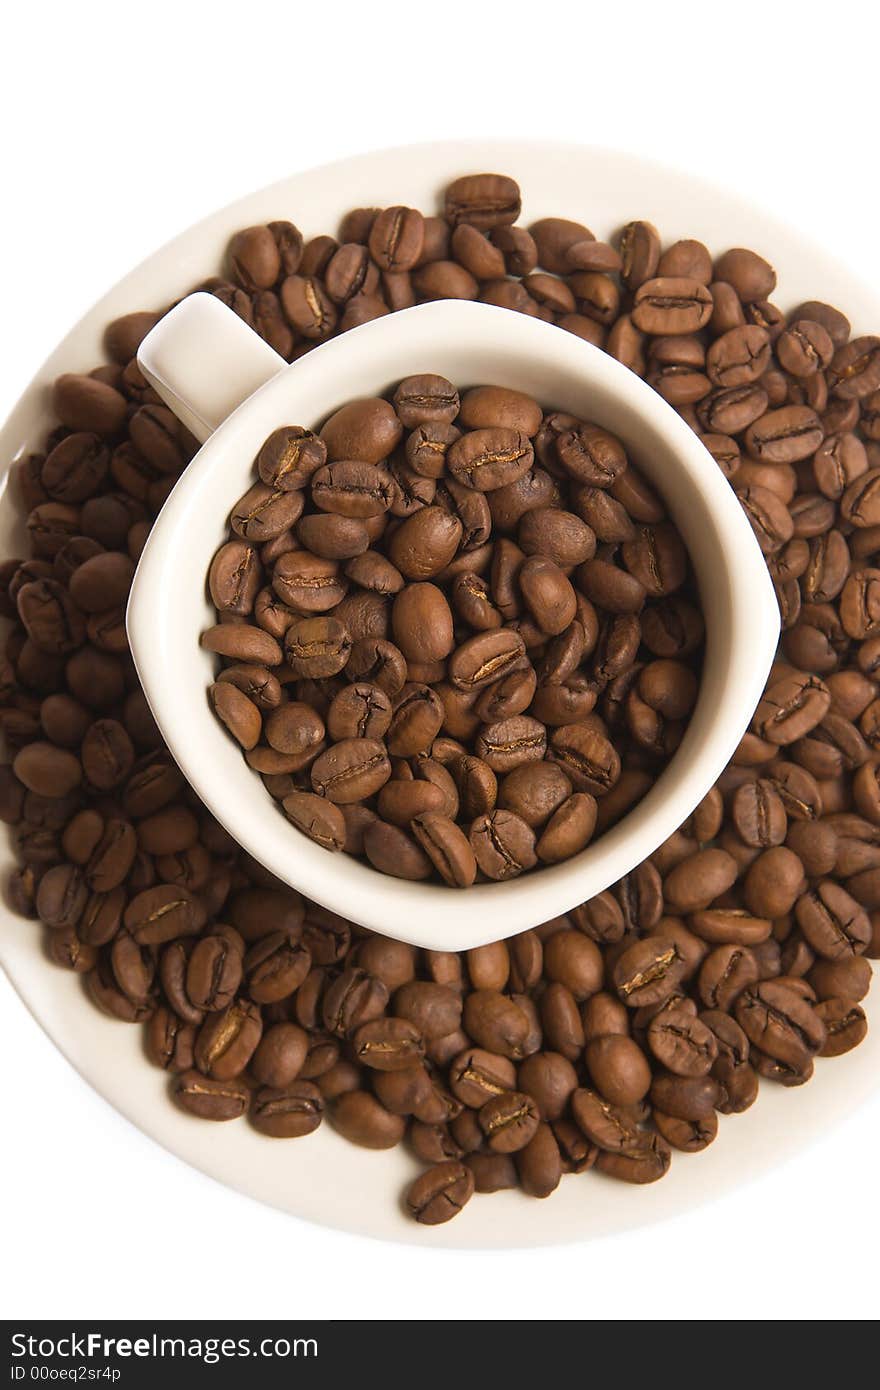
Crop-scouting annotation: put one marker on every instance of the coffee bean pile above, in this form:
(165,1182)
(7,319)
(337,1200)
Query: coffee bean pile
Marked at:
(603,1039)
(444,677)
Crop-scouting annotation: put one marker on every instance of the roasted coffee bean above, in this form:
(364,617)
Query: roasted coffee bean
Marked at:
(701,878)
(84,403)
(255,258)
(388,1044)
(609,1127)
(287,1112)
(691,1136)
(759,814)
(290,457)
(354,997)
(860,502)
(503,844)
(50,617)
(234,578)
(419,399)
(162,914)
(241,642)
(280,1055)
(845,1026)
(317,817)
(393,851)
(804,348)
(396,238)
(496,1023)
(103,988)
(427,447)
(124,335)
(619,1069)
(509,1121)
(333,536)
(855,368)
(597,297)
(600,918)
(781,1023)
(648,971)
(560,1020)
(591,455)
(169,831)
(422,624)
(379,662)
(440,1192)
(578,1155)
(477,1075)
(444,279)
(784,436)
(568,830)
(511,743)
(361,1119)
(682,1044)
(275,967)
(539,1163)
(488,407)
(61,896)
(507,697)
(317,647)
(725,973)
(639,253)
(476,783)
(548,594)
(237,713)
(833,922)
(553,237)
(849,977)
(416,720)
(484,201)
(690,1098)
(406,1092)
(213,974)
(367,430)
(169,1041)
(749,274)
(227,1040)
(264,513)
(485,459)
(352,489)
(294,728)
(210,1099)
(351,770)
(589,760)
(446,846)
(534,791)
(671,305)
(75,468)
(308,307)
(485,658)
(572,959)
(738,357)
(435,1010)
(550,1080)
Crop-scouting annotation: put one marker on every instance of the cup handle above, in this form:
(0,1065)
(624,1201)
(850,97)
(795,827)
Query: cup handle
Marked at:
(203,361)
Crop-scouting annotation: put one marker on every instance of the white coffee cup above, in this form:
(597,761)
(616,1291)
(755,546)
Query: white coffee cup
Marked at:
(232,390)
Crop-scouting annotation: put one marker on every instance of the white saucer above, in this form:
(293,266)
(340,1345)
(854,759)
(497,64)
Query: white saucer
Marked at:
(323,1178)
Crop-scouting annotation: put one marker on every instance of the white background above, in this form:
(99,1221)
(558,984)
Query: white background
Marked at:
(121,124)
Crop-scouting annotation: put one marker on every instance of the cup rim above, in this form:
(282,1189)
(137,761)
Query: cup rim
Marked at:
(430,914)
